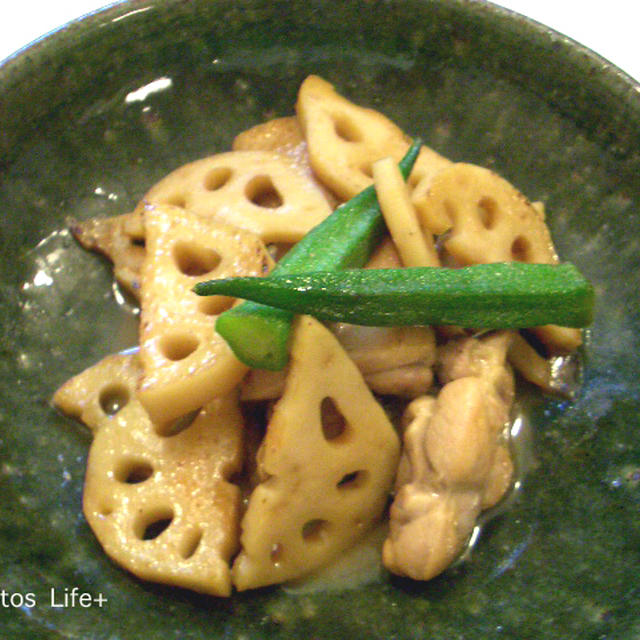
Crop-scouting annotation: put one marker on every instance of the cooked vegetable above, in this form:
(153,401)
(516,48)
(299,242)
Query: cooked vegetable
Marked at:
(259,335)
(496,295)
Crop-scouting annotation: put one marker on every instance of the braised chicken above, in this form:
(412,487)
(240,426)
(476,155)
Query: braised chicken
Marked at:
(455,461)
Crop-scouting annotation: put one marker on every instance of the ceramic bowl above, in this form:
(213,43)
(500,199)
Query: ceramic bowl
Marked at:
(81,136)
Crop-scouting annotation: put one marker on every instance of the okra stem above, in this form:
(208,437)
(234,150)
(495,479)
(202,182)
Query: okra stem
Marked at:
(498,295)
(259,335)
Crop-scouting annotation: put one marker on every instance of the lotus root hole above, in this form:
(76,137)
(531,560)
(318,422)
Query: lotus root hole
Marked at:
(153,524)
(190,544)
(334,425)
(174,427)
(353,480)
(217,178)
(346,129)
(113,398)
(214,305)
(176,200)
(134,471)
(195,260)
(520,249)
(314,531)
(488,212)
(261,191)
(178,346)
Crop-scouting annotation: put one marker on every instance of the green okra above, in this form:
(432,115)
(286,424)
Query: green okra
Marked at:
(497,295)
(258,334)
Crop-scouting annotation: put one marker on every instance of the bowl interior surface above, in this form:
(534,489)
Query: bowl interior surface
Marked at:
(476,83)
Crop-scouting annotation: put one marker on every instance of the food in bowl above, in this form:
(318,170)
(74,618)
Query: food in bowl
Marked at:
(212,470)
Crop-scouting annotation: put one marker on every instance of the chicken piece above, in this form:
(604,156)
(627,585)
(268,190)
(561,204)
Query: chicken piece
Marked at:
(485,358)
(427,533)
(409,381)
(377,349)
(455,462)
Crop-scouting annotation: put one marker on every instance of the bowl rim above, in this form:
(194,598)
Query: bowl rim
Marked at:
(607,80)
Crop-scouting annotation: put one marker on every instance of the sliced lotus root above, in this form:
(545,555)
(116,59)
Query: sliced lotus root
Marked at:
(345,139)
(327,463)
(488,220)
(260,191)
(121,239)
(285,136)
(99,392)
(162,507)
(280,134)
(186,363)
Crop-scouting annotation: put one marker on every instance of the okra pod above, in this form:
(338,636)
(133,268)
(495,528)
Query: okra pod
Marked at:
(498,295)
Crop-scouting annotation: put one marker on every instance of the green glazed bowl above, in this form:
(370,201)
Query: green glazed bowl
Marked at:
(477,83)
